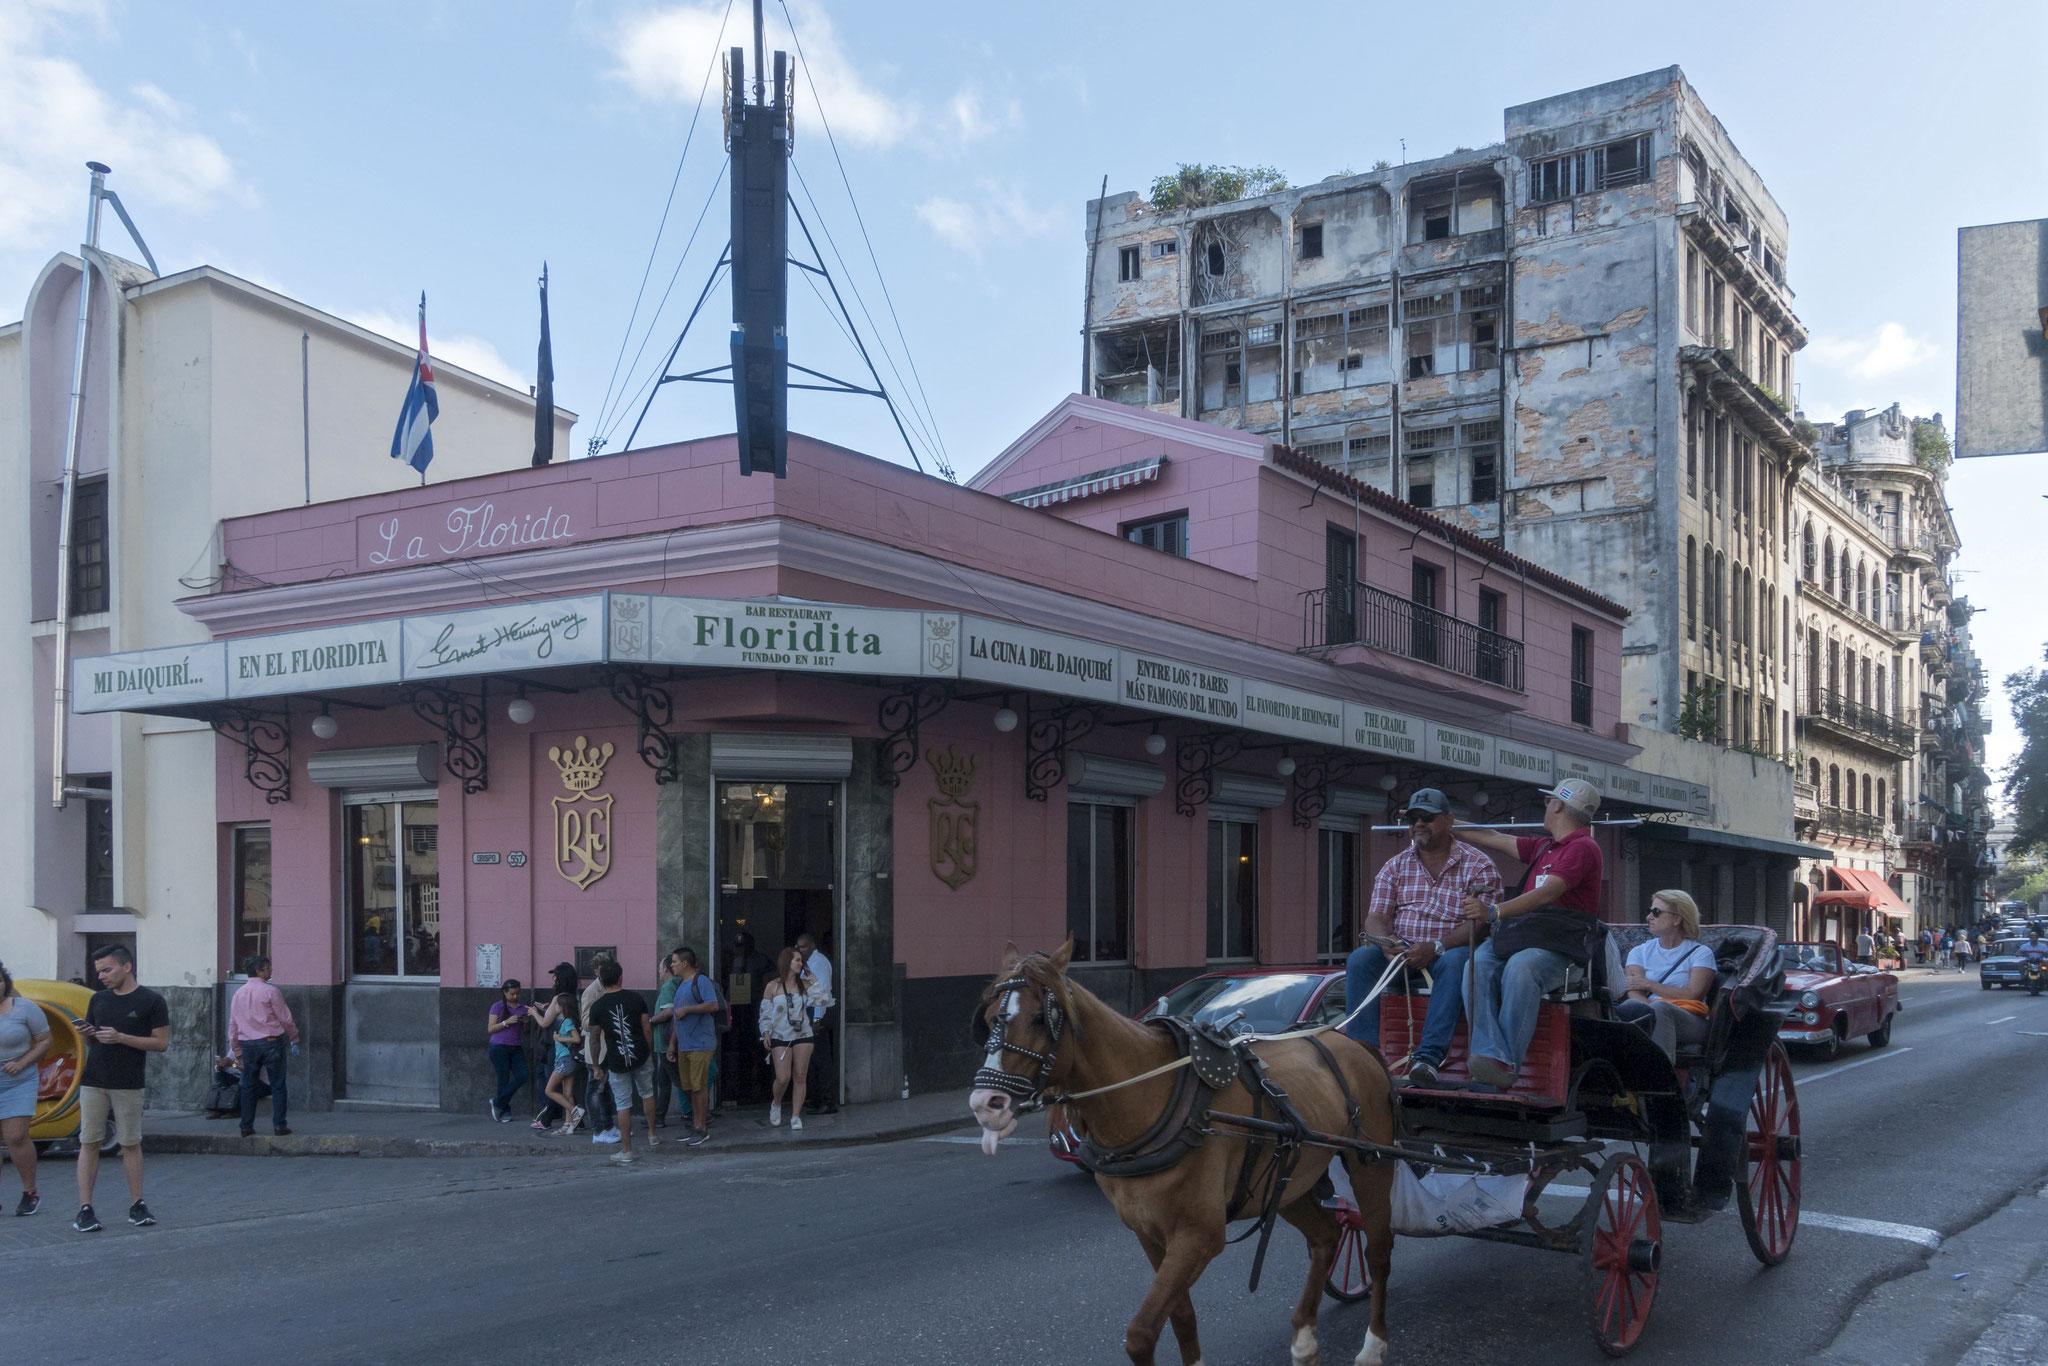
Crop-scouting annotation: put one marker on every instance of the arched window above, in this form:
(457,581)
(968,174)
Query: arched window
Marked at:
(1849,786)
(1813,774)
(1834,785)
(1862,598)
(1883,810)
(1806,555)
(1692,589)
(1827,565)
(1868,809)
(1835,667)
(1863,682)
(1879,695)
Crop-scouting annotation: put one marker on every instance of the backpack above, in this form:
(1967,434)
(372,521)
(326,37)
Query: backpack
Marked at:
(721,1018)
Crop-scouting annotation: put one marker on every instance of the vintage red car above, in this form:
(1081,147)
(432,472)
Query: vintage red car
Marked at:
(1830,999)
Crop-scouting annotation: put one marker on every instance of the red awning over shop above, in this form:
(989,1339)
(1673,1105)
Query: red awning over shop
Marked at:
(1857,887)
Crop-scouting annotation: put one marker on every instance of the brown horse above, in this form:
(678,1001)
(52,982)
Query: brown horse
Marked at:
(1048,1034)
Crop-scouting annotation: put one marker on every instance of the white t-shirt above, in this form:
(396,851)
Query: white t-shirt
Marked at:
(821,968)
(1671,967)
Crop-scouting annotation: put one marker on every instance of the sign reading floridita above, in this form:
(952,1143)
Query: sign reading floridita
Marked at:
(816,637)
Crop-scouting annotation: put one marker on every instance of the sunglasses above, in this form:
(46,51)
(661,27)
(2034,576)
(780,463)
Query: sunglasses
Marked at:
(1654,912)
(1422,817)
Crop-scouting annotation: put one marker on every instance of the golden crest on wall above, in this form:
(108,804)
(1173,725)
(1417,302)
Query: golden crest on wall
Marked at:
(583,820)
(955,820)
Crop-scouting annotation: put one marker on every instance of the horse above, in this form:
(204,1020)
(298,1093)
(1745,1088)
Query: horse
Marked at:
(1072,1043)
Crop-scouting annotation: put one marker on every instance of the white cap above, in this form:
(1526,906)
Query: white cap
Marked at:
(1581,799)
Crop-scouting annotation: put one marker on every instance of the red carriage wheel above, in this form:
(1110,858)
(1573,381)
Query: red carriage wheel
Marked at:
(1767,1192)
(1349,1281)
(1623,1244)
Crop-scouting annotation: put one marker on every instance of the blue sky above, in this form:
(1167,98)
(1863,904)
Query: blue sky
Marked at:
(354,155)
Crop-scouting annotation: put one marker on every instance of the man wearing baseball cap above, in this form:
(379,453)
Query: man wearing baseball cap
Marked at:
(1538,934)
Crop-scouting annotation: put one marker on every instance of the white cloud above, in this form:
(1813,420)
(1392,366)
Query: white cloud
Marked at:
(1890,350)
(54,118)
(1000,215)
(471,353)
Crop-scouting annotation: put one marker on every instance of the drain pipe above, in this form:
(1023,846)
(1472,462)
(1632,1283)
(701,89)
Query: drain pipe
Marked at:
(60,729)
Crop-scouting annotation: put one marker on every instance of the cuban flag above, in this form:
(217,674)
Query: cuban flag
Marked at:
(413,442)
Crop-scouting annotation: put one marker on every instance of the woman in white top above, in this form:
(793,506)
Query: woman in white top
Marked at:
(787,1031)
(1669,976)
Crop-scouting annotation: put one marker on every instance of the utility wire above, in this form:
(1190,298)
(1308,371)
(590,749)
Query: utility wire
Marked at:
(655,246)
(618,416)
(944,464)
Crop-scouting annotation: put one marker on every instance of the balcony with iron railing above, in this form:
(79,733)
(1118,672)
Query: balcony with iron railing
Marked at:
(1379,620)
(1860,824)
(1861,722)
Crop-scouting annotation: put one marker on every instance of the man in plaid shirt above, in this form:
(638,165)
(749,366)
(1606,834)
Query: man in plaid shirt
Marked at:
(1418,900)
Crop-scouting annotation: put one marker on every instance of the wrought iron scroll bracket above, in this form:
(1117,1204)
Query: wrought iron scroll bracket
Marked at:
(464,723)
(1196,759)
(640,693)
(1047,736)
(266,741)
(901,714)
(1312,780)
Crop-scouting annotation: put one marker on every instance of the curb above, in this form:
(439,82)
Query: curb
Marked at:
(363,1145)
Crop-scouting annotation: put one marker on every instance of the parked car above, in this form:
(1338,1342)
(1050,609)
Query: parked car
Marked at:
(1264,1000)
(2001,966)
(1830,999)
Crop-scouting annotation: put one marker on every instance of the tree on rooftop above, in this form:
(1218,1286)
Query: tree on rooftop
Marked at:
(1195,186)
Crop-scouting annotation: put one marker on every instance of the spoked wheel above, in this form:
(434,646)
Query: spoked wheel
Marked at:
(1349,1281)
(1622,1244)
(1767,1192)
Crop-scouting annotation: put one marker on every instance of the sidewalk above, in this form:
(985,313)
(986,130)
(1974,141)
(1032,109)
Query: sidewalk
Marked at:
(355,1132)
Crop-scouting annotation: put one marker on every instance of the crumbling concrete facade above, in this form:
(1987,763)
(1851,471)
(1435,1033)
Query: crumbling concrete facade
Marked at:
(1577,341)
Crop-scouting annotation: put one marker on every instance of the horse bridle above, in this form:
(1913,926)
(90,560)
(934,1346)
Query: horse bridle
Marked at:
(991,1037)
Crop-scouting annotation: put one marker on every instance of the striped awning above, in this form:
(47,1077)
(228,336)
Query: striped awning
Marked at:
(1088,485)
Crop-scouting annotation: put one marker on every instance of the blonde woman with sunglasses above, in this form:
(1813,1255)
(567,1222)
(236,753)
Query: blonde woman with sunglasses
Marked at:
(1670,976)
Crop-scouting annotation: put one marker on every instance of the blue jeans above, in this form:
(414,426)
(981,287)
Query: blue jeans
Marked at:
(1505,997)
(1446,998)
(510,1061)
(257,1054)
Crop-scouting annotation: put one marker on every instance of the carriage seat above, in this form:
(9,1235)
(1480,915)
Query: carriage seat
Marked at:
(1737,951)
(1591,988)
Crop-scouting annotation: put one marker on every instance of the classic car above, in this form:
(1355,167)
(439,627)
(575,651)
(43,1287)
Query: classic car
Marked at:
(1264,1000)
(1830,999)
(2001,965)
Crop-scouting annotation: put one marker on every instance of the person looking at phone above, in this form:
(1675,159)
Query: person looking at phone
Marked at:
(1417,908)
(124,1023)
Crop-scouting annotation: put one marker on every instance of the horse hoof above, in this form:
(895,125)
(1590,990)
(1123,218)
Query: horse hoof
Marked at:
(1374,1353)
(1304,1350)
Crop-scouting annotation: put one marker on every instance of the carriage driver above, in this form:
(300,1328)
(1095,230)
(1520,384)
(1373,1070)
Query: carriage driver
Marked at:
(1418,900)
(1537,935)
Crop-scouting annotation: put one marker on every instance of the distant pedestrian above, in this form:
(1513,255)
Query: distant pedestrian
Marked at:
(789,1031)
(507,1032)
(125,1022)
(621,1017)
(664,1013)
(563,1027)
(1925,943)
(1964,950)
(824,1075)
(1866,947)
(696,1038)
(24,1039)
(259,1026)
(596,1089)
(564,977)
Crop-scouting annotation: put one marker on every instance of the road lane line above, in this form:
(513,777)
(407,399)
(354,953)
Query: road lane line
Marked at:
(1841,1223)
(1860,1062)
(2001,1019)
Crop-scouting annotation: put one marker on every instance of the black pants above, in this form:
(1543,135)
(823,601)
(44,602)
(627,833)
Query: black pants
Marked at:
(822,1081)
(664,1086)
(259,1055)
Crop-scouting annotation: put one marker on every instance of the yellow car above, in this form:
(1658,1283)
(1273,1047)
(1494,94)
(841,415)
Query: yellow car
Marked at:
(57,1087)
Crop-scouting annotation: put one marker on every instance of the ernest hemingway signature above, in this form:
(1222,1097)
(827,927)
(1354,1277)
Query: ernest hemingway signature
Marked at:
(446,652)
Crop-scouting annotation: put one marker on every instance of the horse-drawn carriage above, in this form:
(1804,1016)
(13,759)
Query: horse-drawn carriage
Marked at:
(1188,1128)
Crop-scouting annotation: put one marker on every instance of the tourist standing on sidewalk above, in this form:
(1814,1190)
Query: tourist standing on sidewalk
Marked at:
(696,1007)
(824,1077)
(565,1029)
(789,1019)
(508,1048)
(664,1012)
(565,983)
(24,1038)
(126,1022)
(259,1026)
(621,1017)
(596,1090)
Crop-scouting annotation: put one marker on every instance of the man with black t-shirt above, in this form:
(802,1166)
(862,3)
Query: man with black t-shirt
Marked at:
(124,1023)
(621,1017)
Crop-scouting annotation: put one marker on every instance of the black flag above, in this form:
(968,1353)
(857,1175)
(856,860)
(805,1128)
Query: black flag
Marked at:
(544,389)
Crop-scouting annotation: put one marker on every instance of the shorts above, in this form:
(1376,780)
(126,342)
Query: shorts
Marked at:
(94,1103)
(693,1071)
(565,1067)
(628,1085)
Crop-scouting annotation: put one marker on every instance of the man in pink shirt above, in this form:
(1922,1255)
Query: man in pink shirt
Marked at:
(259,1025)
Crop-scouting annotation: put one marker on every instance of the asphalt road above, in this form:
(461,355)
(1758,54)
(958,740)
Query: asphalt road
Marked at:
(927,1251)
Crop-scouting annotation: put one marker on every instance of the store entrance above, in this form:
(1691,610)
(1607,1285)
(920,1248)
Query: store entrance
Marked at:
(391,1008)
(777,870)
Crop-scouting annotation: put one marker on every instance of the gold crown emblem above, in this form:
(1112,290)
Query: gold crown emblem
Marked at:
(954,770)
(583,767)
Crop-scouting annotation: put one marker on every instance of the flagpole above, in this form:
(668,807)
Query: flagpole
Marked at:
(423,351)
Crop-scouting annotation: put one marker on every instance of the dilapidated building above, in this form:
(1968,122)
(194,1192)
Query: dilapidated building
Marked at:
(1577,341)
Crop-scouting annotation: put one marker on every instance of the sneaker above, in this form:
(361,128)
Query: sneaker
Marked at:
(774,1116)
(30,1203)
(139,1215)
(1491,1072)
(87,1221)
(653,1142)
(796,1122)
(497,1112)
(608,1136)
(697,1139)
(625,1159)
(1422,1072)
(282,1131)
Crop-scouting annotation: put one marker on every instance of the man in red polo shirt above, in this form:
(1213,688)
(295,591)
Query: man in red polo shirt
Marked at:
(1537,935)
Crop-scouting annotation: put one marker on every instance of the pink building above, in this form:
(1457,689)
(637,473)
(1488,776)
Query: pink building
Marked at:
(1146,681)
